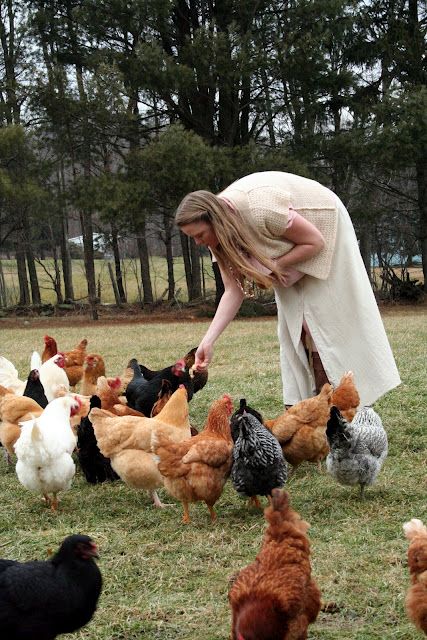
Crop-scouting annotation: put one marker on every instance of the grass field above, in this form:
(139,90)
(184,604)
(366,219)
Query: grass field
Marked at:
(164,580)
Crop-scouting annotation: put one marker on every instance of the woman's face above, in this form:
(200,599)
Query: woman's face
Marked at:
(202,233)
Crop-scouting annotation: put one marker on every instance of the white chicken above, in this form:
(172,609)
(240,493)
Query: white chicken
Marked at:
(44,450)
(53,377)
(9,377)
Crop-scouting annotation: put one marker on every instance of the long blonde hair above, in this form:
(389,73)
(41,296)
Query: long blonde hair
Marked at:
(235,242)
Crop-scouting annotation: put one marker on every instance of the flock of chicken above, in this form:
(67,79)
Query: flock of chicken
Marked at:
(136,427)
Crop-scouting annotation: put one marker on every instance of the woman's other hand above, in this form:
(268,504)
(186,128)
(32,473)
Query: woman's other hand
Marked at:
(289,276)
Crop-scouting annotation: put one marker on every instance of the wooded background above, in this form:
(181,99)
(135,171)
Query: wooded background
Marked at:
(112,110)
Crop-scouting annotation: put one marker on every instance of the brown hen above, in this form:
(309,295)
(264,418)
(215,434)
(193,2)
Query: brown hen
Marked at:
(301,430)
(196,469)
(416,598)
(275,597)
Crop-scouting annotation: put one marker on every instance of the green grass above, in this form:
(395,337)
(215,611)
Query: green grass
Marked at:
(164,580)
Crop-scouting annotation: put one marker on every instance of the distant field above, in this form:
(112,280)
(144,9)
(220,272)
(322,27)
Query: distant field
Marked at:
(131,277)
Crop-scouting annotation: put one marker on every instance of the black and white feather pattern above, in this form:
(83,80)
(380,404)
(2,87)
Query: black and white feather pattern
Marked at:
(357,449)
(258,462)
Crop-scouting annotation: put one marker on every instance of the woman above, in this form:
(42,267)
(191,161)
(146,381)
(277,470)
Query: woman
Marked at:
(289,232)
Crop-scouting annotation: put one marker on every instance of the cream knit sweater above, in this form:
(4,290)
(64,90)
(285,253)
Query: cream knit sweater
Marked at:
(264,198)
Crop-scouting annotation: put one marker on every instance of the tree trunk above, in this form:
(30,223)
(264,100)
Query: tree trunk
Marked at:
(365,245)
(421,168)
(88,253)
(24,292)
(218,283)
(117,263)
(3,292)
(169,256)
(145,268)
(35,289)
(196,282)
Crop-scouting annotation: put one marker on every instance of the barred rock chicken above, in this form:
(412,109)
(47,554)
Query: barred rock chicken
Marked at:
(50,348)
(275,597)
(200,378)
(53,377)
(96,467)
(41,599)
(74,361)
(93,369)
(196,469)
(141,394)
(44,450)
(357,449)
(301,430)
(127,441)
(258,462)
(416,597)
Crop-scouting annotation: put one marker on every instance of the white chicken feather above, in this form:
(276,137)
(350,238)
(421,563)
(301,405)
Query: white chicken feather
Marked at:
(53,377)
(44,450)
(9,377)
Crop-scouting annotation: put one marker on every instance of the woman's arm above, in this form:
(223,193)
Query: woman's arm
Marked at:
(307,239)
(229,305)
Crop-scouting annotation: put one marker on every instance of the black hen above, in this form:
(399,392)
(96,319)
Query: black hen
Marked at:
(42,599)
(142,394)
(96,467)
(200,378)
(34,389)
(258,462)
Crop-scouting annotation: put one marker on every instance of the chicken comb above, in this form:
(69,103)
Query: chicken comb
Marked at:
(414,528)
(114,384)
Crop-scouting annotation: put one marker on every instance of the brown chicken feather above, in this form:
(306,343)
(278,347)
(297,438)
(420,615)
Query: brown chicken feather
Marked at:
(196,469)
(346,397)
(94,367)
(74,361)
(416,597)
(301,430)
(275,596)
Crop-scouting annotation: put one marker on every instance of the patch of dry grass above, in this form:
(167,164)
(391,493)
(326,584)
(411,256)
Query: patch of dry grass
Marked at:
(165,580)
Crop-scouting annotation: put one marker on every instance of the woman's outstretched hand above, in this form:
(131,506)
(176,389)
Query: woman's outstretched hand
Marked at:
(203,356)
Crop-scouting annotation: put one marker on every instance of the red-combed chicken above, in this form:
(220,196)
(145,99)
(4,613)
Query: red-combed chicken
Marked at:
(74,361)
(53,377)
(45,598)
(301,430)
(50,348)
(94,368)
(196,470)
(416,598)
(346,397)
(126,441)
(107,392)
(275,597)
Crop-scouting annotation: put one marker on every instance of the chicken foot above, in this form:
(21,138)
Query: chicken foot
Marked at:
(254,502)
(157,502)
(212,512)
